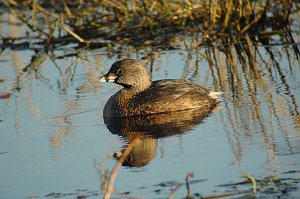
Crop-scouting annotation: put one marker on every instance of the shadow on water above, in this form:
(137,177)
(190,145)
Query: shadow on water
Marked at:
(149,129)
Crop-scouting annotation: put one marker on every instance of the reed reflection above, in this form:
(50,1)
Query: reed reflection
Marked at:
(260,100)
(149,129)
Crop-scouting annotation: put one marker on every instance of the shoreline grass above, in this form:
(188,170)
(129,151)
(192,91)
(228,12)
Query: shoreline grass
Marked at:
(143,23)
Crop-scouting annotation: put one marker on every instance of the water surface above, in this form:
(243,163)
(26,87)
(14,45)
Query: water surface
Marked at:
(55,143)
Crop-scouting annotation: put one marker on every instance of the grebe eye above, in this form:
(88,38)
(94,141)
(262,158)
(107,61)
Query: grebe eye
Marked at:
(120,71)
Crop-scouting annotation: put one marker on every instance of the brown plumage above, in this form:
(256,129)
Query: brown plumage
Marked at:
(140,96)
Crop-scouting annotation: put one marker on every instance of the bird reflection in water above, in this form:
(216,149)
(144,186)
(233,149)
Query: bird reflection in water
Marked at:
(149,129)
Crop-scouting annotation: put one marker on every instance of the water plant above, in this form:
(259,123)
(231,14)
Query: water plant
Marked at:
(97,24)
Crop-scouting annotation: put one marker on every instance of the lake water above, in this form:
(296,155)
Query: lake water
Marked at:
(55,143)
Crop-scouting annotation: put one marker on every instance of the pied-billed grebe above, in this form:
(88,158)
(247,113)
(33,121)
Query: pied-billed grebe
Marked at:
(140,96)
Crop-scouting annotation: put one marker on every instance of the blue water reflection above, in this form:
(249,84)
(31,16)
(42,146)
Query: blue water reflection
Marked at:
(54,139)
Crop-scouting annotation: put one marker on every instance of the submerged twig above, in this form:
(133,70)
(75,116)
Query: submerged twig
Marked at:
(252,180)
(112,177)
(223,195)
(174,190)
(187,183)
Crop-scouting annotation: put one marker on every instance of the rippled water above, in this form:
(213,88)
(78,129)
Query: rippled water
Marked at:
(55,143)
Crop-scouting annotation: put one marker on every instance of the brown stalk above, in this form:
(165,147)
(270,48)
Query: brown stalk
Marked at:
(113,175)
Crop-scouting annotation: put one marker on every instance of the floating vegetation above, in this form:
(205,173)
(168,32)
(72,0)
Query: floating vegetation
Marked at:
(268,187)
